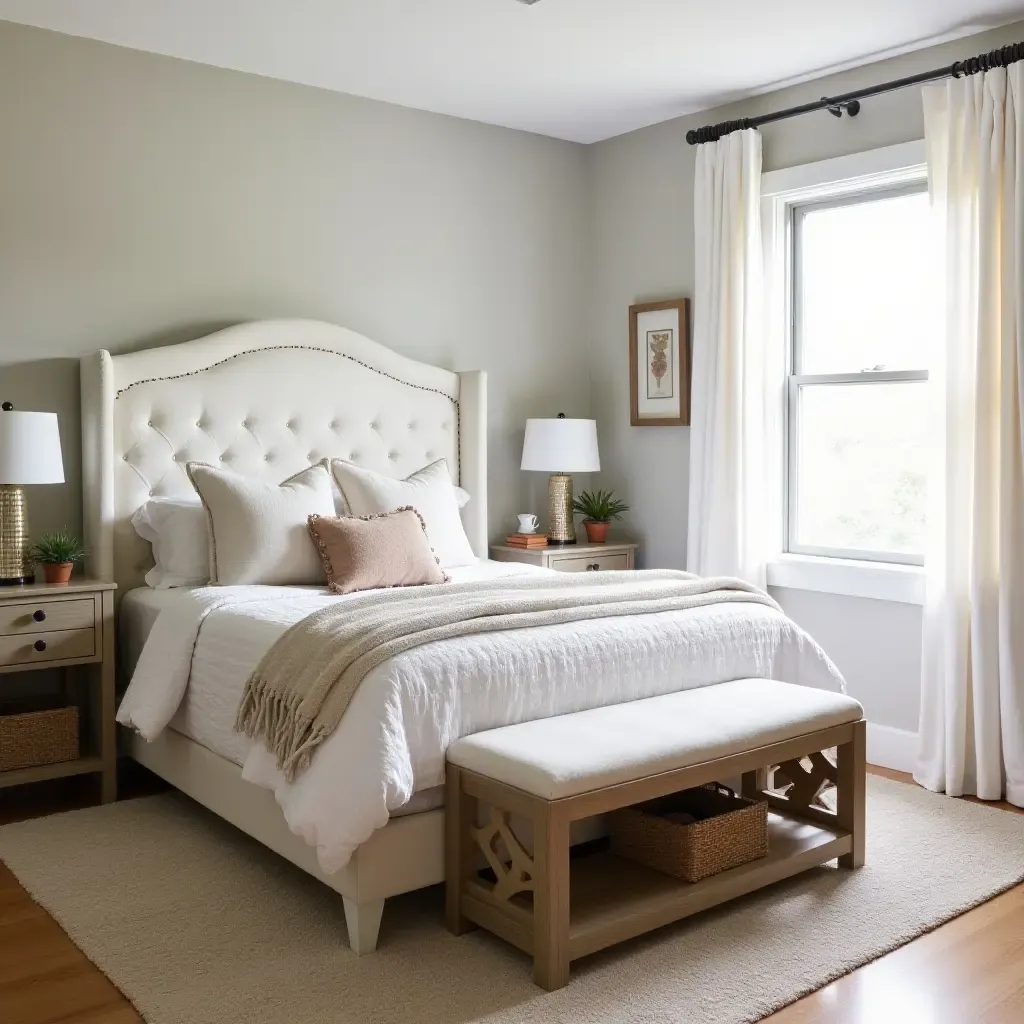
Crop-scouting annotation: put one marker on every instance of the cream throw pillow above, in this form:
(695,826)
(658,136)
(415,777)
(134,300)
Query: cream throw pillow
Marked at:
(429,490)
(258,531)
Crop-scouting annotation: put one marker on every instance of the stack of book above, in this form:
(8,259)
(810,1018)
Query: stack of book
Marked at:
(527,540)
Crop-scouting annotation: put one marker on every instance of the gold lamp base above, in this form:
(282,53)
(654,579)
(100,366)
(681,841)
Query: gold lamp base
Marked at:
(14,565)
(561,524)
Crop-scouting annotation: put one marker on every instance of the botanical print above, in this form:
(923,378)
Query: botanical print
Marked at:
(659,364)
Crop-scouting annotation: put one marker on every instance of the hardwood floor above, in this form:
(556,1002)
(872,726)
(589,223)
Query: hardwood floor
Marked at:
(968,971)
(44,977)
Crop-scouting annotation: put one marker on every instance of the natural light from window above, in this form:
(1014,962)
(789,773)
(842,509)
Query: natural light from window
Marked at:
(867,310)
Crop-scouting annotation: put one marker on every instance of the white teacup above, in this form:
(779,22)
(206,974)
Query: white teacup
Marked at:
(527,523)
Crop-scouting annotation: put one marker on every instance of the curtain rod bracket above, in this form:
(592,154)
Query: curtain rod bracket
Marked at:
(836,107)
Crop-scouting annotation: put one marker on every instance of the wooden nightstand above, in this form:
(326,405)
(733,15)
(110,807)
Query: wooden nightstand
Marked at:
(71,627)
(571,557)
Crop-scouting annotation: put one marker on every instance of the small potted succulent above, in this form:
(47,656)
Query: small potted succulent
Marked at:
(57,553)
(598,509)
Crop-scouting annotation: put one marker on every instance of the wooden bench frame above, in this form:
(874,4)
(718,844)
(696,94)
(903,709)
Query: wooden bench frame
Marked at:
(599,900)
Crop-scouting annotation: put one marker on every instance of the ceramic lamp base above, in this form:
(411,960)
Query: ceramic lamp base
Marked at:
(14,568)
(561,525)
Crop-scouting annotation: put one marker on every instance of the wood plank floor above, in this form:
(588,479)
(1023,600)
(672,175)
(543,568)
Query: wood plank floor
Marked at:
(44,977)
(969,971)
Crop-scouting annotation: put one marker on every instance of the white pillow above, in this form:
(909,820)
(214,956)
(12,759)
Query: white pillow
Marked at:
(429,490)
(176,528)
(258,531)
(462,497)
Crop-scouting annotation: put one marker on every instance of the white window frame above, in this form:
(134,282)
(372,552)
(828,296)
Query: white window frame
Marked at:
(844,179)
(796,379)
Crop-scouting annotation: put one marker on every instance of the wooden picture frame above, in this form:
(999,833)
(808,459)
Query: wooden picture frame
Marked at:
(659,332)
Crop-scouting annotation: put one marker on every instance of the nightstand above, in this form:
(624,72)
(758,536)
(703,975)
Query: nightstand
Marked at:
(69,627)
(571,557)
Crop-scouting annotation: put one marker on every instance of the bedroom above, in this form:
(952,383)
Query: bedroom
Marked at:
(175,184)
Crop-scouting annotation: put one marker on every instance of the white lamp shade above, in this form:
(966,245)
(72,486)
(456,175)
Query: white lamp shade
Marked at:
(30,448)
(561,446)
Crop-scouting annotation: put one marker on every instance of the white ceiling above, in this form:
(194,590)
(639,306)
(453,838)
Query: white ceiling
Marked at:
(577,69)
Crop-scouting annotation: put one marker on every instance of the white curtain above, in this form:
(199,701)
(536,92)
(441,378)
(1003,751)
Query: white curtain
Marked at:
(727,532)
(972,709)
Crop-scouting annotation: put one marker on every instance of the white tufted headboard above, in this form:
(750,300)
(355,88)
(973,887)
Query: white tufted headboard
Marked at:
(267,399)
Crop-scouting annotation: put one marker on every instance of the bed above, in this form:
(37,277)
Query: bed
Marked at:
(268,399)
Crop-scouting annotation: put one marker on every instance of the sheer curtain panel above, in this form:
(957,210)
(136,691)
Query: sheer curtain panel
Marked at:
(972,709)
(728,473)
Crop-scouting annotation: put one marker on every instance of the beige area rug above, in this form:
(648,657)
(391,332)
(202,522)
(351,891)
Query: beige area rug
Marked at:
(197,924)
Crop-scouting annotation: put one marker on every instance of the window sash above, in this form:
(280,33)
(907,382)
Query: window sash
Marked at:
(797,214)
(797,211)
(792,491)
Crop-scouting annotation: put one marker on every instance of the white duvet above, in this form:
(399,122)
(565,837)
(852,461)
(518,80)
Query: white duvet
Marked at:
(392,740)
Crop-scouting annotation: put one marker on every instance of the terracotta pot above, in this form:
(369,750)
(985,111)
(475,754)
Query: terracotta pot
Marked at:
(58,572)
(597,533)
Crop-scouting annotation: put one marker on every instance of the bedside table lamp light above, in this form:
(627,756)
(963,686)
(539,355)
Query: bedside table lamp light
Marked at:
(29,454)
(560,446)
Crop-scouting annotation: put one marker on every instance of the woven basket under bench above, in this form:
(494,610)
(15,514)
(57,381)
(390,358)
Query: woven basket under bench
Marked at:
(730,830)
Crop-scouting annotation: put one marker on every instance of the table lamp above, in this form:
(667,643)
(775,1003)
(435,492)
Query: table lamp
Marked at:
(560,447)
(29,454)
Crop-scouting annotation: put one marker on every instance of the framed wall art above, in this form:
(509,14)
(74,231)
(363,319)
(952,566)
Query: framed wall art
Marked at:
(659,364)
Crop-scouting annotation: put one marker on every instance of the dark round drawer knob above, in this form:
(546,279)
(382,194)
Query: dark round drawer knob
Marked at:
(40,645)
(39,615)
(593,567)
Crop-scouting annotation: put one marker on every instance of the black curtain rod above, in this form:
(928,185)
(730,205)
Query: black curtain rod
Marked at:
(850,101)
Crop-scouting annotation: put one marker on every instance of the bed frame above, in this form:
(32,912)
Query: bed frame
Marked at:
(268,399)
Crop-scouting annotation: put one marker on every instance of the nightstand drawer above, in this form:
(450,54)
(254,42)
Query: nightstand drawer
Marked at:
(590,563)
(46,616)
(40,648)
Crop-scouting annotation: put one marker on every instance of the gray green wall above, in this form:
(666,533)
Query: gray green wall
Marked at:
(146,200)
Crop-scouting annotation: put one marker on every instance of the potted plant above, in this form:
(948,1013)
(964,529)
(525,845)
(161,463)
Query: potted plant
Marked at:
(57,553)
(598,509)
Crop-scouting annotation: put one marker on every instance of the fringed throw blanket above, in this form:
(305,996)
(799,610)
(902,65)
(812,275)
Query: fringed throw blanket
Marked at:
(300,689)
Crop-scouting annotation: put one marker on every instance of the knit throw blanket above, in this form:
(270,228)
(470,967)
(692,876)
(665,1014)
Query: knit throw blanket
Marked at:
(300,689)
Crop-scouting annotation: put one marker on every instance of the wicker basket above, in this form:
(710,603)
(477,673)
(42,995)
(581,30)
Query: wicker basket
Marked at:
(38,737)
(730,830)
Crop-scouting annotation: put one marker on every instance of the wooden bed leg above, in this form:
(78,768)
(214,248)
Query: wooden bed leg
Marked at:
(851,764)
(363,921)
(551,898)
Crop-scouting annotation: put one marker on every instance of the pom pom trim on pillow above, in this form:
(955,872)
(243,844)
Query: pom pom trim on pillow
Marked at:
(366,571)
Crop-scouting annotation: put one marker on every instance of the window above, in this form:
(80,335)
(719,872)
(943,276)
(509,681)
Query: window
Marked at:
(864,311)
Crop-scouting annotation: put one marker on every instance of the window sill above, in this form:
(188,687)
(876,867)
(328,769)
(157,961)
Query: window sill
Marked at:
(880,581)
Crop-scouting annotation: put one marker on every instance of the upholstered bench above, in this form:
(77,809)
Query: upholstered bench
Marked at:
(555,771)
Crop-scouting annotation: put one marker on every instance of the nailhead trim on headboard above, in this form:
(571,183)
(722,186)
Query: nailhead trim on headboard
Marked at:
(326,351)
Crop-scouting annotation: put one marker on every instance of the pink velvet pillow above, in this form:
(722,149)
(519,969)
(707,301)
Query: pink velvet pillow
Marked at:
(367,552)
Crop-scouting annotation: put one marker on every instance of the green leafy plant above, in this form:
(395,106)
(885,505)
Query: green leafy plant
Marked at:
(57,548)
(599,506)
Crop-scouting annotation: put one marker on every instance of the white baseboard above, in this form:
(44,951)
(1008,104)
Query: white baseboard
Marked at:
(892,748)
